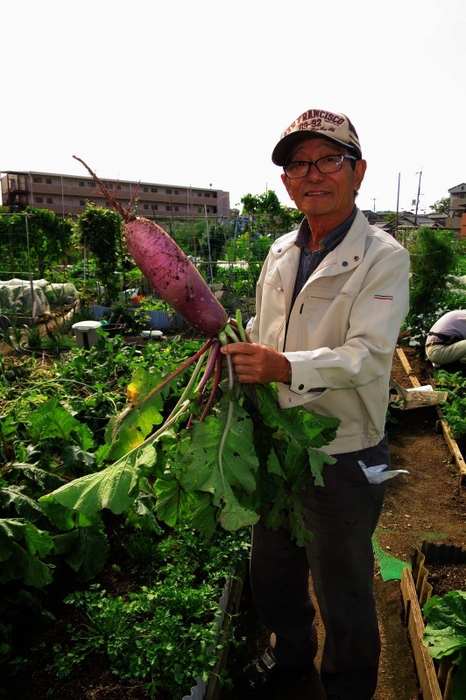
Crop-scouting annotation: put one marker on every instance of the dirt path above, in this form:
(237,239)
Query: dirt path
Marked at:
(428,504)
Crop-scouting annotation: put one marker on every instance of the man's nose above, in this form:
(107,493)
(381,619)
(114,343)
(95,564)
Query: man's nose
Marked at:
(314,172)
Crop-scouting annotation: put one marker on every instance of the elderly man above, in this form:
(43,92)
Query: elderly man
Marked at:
(330,301)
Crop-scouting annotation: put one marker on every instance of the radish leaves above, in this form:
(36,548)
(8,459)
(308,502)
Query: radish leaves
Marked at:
(246,455)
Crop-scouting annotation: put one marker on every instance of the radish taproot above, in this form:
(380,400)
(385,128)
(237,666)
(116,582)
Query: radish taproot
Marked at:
(168,270)
(178,282)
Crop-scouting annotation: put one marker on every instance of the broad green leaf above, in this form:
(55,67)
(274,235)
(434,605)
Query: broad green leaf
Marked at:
(445,631)
(219,458)
(89,552)
(63,543)
(45,479)
(173,503)
(203,515)
(295,463)
(85,436)
(317,460)
(21,562)
(8,426)
(115,487)
(135,423)
(274,466)
(307,428)
(233,516)
(37,541)
(73,456)
(23,565)
(63,517)
(298,524)
(141,515)
(51,420)
(25,506)
(221,452)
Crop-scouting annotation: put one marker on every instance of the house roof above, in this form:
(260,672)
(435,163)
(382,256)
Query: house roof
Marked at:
(458,188)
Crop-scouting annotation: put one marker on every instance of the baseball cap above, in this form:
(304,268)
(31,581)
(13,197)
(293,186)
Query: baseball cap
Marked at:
(319,122)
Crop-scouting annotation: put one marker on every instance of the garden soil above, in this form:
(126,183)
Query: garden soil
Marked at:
(428,504)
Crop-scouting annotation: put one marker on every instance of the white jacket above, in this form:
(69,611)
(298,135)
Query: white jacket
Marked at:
(342,329)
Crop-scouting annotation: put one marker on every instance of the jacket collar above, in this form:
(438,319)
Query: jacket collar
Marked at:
(347,255)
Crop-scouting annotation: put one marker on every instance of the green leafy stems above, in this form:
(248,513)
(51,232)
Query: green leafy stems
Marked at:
(212,453)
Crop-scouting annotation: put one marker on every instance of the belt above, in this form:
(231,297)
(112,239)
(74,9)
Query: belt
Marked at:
(442,339)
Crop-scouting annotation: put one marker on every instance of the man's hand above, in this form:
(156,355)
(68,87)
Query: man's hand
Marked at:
(257,364)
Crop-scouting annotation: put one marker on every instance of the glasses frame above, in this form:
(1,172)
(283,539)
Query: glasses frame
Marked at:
(310,163)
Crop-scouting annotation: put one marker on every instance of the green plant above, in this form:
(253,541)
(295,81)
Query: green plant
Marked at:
(433,258)
(454,409)
(141,316)
(52,429)
(101,232)
(34,338)
(37,240)
(54,342)
(217,455)
(166,634)
(268,215)
(445,635)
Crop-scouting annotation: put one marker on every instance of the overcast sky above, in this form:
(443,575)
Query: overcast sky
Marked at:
(198,93)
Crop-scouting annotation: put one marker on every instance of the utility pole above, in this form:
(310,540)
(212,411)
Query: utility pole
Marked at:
(374,204)
(418,195)
(397,207)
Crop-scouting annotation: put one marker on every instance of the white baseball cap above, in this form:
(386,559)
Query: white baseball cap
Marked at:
(316,122)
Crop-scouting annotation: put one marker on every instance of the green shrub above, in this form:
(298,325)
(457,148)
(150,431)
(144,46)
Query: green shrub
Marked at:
(433,258)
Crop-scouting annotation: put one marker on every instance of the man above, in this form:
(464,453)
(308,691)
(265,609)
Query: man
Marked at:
(446,341)
(330,301)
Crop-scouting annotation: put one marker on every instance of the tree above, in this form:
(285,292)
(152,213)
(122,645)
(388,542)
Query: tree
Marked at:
(268,215)
(101,231)
(433,258)
(34,240)
(442,206)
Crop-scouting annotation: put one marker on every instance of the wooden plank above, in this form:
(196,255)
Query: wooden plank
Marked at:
(407,367)
(452,444)
(424,663)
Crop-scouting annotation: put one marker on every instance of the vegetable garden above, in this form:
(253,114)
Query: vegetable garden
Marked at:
(131,471)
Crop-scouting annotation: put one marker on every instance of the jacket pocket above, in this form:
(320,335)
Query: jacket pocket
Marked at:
(382,311)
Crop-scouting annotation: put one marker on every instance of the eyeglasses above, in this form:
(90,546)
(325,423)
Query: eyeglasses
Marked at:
(325,165)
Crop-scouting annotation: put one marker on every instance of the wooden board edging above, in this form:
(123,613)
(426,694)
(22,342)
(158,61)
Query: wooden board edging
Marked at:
(455,452)
(413,618)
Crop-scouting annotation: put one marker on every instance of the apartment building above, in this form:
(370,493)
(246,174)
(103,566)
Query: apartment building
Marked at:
(67,195)
(457,212)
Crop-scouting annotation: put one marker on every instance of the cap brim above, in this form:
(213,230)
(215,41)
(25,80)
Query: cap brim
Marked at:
(286,145)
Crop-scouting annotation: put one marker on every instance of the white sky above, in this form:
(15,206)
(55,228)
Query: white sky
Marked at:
(198,93)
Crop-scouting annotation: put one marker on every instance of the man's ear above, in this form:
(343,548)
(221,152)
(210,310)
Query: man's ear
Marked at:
(359,171)
(285,182)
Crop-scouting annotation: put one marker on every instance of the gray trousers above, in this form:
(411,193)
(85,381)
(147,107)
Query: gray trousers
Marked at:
(447,354)
(344,514)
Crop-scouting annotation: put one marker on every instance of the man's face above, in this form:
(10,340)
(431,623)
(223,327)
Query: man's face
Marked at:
(325,199)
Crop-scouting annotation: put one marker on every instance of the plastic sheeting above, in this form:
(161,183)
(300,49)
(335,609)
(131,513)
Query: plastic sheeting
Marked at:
(34,297)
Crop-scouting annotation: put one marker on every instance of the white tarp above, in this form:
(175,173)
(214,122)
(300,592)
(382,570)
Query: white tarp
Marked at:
(19,296)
